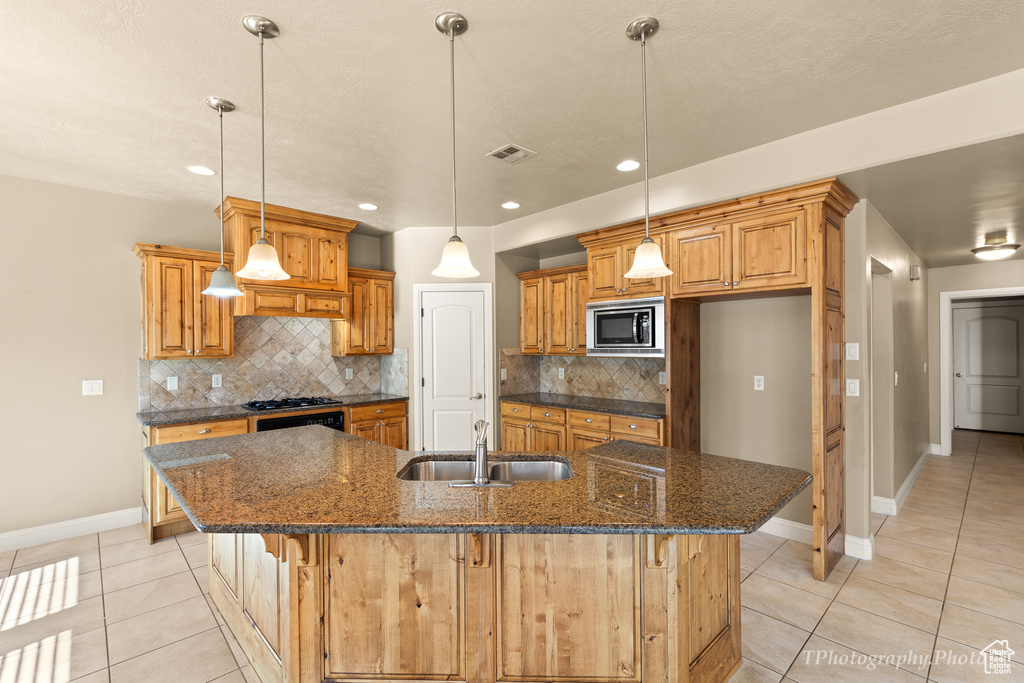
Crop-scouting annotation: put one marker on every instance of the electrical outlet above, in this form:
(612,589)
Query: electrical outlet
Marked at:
(758,382)
(348,373)
(218,381)
(561,373)
(504,375)
(92,387)
(852,351)
(172,384)
(662,379)
(853,387)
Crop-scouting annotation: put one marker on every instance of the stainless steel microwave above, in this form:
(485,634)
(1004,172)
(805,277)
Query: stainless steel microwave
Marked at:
(626,327)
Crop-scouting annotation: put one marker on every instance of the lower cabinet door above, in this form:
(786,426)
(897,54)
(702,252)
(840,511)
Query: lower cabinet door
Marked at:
(366,429)
(515,434)
(580,439)
(547,437)
(395,432)
(548,627)
(395,606)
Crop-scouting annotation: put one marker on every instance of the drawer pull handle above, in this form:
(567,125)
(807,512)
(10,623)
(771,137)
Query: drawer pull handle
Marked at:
(380,410)
(632,426)
(589,420)
(515,410)
(204,431)
(547,414)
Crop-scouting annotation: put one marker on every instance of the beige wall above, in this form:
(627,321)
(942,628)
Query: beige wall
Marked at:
(769,337)
(413,253)
(991,275)
(364,251)
(71,311)
(856,300)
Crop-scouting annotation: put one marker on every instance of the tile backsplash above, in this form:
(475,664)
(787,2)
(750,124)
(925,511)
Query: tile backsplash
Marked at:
(274,358)
(629,379)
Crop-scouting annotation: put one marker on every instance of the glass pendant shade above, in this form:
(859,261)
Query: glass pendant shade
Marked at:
(262,263)
(222,283)
(455,260)
(647,261)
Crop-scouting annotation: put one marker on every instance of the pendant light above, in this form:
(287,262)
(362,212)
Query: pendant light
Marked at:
(647,262)
(455,257)
(262,263)
(222,282)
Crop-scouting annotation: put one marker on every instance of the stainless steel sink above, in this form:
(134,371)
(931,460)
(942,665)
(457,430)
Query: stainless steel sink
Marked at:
(512,470)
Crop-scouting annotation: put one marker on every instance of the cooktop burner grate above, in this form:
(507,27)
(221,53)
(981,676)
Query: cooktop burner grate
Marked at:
(291,403)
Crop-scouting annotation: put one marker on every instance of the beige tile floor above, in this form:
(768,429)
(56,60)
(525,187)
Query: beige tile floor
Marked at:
(948,578)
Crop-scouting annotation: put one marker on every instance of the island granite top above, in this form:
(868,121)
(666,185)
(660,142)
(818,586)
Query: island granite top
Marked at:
(170,417)
(592,403)
(314,479)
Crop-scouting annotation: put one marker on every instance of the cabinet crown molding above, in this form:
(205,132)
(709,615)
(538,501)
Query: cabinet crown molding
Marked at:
(529,274)
(142,249)
(235,205)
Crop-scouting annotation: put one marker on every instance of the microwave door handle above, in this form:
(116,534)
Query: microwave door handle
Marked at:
(636,327)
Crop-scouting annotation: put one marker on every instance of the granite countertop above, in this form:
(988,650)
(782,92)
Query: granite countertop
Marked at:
(317,480)
(597,405)
(170,417)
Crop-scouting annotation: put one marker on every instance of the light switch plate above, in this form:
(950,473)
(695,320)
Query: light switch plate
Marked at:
(853,387)
(662,379)
(504,375)
(217,381)
(92,387)
(172,384)
(348,373)
(758,382)
(852,351)
(561,373)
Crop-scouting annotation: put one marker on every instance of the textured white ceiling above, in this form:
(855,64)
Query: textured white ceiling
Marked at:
(109,94)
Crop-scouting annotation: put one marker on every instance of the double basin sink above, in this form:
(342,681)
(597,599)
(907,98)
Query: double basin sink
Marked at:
(507,470)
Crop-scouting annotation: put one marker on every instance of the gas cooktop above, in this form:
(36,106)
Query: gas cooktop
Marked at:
(291,403)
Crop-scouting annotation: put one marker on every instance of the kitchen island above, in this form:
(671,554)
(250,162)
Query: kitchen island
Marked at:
(326,566)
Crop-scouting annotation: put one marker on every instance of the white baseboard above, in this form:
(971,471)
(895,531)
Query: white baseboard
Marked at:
(861,548)
(884,506)
(59,531)
(936,449)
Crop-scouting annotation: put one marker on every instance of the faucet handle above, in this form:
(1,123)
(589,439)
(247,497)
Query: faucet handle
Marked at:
(480,426)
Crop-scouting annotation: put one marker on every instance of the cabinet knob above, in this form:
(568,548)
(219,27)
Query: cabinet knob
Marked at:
(204,431)
(198,351)
(380,410)
(589,420)
(726,284)
(515,410)
(547,414)
(735,282)
(632,426)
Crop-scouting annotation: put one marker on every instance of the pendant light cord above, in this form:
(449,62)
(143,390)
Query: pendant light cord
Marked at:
(455,221)
(263,147)
(643,78)
(220,112)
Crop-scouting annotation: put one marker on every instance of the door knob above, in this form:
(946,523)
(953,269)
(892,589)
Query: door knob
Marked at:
(476,396)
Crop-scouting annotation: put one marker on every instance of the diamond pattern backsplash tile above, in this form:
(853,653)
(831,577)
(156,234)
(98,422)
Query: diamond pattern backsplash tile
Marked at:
(274,358)
(628,379)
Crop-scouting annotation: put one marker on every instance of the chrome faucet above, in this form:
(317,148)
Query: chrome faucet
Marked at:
(480,469)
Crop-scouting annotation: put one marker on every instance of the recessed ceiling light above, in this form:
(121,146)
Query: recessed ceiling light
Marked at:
(202,170)
(628,165)
(510,205)
(366,206)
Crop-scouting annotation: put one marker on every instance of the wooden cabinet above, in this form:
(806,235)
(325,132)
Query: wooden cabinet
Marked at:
(385,423)
(588,429)
(166,517)
(608,263)
(369,327)
(178,320)
(312,249)
(481,608)
(527,427)
(553,311)
(767,252)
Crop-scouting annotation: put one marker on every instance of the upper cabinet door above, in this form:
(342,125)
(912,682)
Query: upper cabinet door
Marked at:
(558,314)
(605,267)
(531,308)
(641,287)
(359,320)
(214,324)
(169,304)
(701,259)
(382,311)
(581,295)
(770,251)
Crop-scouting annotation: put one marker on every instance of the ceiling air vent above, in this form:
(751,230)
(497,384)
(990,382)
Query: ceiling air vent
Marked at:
(511,154)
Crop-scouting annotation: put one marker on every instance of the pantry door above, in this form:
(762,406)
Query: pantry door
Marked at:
(988,368)
(455,364)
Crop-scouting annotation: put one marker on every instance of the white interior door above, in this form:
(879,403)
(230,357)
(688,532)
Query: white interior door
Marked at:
(988,357)
(455,365)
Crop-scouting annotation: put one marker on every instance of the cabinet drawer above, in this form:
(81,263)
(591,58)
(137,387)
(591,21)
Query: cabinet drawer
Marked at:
(198,430)
(515,409)
(378,410)
(589,420)
(548,414)
(635,426)
(324,305)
